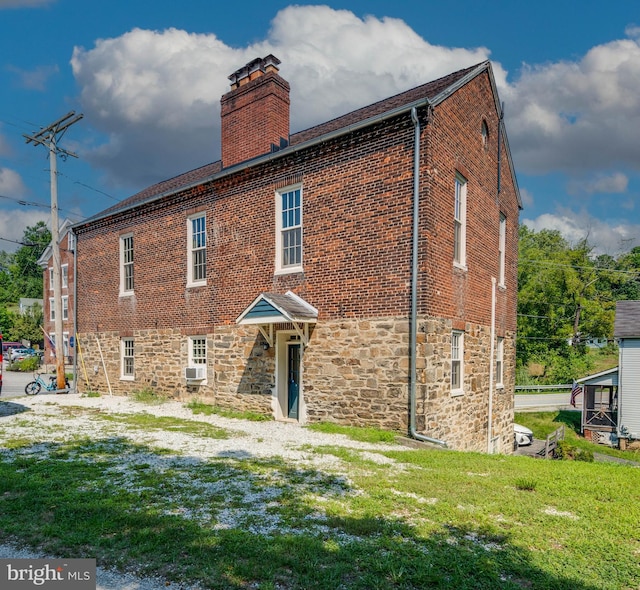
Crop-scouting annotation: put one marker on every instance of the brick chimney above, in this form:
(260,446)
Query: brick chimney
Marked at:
(255,113)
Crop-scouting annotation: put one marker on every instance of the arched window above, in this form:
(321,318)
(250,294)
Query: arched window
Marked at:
(485,135)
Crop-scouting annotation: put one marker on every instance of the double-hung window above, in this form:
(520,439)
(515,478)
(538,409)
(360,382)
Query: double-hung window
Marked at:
(65,276)
(460,221)
(457,365)
(126,359)
(197,250)
(65,308)
(289,230)
(499,361)
(502,246)
(126,264)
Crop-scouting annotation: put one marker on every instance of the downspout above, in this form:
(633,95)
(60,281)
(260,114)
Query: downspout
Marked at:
(491,355)
(413,329)
(75,311)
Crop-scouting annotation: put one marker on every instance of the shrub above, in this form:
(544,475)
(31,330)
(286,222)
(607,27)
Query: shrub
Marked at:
(568,452)
(27,365)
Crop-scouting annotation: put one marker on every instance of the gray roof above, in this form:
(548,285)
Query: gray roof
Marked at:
(271,308)
(627,319)
(432,93)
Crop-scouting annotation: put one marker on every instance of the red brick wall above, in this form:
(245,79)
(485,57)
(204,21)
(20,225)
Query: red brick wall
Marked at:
(66,258)
(357,218)
(455,139)
(254,116)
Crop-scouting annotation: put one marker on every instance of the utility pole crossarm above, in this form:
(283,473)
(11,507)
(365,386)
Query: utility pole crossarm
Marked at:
(49,137)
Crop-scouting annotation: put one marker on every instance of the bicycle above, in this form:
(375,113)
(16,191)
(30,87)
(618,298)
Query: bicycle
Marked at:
(34,387)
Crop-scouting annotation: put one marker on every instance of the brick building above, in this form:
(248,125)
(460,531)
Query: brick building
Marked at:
(66,247)
(362,271)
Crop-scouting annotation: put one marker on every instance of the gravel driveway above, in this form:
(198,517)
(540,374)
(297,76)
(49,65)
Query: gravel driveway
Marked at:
(39,418)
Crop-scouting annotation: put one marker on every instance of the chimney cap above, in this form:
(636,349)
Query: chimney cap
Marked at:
(259,65)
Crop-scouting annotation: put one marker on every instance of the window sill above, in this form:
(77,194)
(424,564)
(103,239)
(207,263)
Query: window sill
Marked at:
(196,285)
(462,267)
(127,378)
(457,392)
(288,271)
(126,294)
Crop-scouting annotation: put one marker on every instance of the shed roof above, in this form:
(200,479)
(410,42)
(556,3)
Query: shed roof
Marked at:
(608,377)
(273,308)
(627,324)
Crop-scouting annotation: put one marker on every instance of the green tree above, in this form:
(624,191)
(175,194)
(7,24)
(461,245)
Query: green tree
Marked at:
(24,271)
(27,326)
(564,297)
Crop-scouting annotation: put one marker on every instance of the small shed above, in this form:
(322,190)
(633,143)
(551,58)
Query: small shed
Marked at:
(600,407)
(627,332)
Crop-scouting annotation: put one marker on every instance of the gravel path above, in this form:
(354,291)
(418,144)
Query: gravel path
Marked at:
(39,418)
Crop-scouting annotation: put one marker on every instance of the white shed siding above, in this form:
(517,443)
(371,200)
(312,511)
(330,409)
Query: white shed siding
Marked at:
(629,388)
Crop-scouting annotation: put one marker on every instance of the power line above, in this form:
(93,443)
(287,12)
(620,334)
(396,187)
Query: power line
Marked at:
(42,205)
(591,268)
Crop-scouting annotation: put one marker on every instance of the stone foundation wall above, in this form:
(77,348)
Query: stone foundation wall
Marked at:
(354,372)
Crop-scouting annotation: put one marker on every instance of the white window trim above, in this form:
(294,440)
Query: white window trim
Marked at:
(280,268)
(65,307)
(190,281)
(123,376)
(192,362)
(52,309)
(458,390)
(65,342)
(461,181)
(51,278)
(64,276)
(500,363)
(126,292)
(502,250)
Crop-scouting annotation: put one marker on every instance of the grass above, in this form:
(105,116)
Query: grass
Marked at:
(169,424)
(416,519)
(149,396)
(544,423)
(371,435)
(198,407)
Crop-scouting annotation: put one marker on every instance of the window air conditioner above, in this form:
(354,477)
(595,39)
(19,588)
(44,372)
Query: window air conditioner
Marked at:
(194,373)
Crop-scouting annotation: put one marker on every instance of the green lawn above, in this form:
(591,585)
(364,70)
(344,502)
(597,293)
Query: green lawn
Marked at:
(370,519)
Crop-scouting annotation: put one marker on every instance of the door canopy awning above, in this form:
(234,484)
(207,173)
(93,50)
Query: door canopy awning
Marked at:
(272,308)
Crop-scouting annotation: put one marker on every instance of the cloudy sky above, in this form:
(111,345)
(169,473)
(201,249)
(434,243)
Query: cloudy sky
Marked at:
(148,77)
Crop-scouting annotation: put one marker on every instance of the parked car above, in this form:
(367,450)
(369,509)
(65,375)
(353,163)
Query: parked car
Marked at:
(17,354)
(8,346)
(523,436)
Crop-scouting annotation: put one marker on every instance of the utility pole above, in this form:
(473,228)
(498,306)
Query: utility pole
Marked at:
(49,138)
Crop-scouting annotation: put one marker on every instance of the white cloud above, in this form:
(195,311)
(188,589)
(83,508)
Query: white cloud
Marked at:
(5,148)
(11,184)
(601,183)
(156,94)
(578,116)
(35,79)
(24,3)
(527,197)
(607,237)
(13,222)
